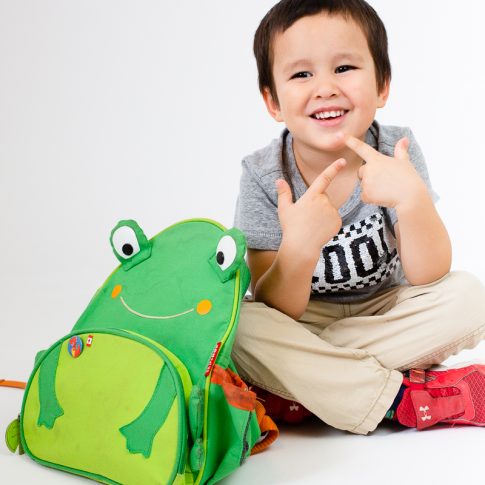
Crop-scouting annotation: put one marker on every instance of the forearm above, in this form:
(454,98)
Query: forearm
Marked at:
(423,244)
(286,285)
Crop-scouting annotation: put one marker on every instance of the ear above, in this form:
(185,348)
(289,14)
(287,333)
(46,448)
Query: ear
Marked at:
(271,105)
(383,95)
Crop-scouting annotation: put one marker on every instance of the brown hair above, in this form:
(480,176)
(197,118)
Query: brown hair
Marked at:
(286,12)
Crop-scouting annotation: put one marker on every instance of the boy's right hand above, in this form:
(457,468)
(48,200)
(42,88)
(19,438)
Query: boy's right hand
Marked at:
(310,222)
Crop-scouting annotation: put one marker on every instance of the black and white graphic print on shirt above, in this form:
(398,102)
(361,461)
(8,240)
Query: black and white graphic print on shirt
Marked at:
(362,254)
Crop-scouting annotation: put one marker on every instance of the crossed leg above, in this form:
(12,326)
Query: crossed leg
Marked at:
(425,326)
(342,362)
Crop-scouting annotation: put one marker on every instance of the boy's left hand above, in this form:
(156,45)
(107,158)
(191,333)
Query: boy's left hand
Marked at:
(387,181)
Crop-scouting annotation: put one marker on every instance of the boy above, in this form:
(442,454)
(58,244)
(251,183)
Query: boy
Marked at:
(350,261)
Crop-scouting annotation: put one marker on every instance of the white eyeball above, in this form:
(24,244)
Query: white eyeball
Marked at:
(125,242)
(226,252)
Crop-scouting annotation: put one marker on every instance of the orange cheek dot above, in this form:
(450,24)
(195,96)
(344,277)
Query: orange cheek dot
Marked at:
(116,291)
(204,307)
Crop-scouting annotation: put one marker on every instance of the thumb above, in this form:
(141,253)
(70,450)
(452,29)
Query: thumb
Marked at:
(401,148)
(285,197)
(360,173)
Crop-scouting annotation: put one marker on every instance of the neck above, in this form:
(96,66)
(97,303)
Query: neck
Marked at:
(311,162)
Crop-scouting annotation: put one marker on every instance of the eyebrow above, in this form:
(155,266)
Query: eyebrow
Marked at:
(343,55)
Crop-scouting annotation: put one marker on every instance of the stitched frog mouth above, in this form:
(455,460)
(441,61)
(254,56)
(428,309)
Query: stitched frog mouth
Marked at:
(202,308)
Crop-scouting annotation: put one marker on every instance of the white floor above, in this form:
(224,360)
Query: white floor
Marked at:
(309,454)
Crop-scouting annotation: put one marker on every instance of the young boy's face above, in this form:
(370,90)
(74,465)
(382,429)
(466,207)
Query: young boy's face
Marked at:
(323,62)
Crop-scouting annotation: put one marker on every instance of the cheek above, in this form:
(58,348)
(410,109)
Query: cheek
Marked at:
(291,95)
(362,92)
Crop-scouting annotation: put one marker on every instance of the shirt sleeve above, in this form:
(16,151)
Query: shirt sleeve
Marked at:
(417,159)
(257,211)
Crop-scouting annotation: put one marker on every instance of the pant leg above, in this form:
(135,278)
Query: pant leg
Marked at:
(346,388)
(426,324)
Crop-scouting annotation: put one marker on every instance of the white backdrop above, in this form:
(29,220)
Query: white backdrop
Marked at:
(114,109)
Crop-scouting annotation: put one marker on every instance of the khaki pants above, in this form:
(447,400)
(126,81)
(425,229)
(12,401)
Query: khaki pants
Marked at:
(343,361)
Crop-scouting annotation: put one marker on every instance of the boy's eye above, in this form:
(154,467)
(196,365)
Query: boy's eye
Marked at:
(301,74)
(344,68)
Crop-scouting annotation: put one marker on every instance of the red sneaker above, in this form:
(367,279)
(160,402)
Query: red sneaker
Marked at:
(280,409)
(452,396)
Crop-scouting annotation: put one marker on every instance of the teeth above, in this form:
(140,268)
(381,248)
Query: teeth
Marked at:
(329,114)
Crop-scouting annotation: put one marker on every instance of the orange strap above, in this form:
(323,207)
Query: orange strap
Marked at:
(267,425)
(17,384)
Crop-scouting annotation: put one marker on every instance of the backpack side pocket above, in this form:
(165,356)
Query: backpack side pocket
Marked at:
(232,426)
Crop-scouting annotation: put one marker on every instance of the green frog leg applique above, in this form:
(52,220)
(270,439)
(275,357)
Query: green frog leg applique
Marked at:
(50,409)
(140,433)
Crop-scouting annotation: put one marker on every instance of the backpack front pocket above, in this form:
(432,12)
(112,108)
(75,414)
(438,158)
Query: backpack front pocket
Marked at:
(109,405)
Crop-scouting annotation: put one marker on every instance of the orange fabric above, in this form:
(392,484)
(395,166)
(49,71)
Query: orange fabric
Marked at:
(236,391)
(17,384)
(238,395)
(267,425)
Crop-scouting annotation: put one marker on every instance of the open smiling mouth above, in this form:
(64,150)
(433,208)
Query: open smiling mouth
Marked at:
(202,308)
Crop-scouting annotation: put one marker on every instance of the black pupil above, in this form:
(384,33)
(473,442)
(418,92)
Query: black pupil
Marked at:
(127,249)
(220,257)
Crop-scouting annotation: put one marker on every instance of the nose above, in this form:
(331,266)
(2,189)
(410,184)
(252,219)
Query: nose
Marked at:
(325,87)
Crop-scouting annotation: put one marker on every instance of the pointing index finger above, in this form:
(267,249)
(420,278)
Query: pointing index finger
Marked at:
(321,183)
(361,148)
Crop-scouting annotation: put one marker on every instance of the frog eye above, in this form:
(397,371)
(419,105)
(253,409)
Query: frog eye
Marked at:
(130,244)
(226,252)
(228,256)
(125,242)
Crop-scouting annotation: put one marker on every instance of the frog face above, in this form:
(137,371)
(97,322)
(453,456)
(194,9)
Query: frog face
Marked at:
(132,248)
(180,287)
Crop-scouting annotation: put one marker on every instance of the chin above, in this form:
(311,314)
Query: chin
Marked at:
(330,144)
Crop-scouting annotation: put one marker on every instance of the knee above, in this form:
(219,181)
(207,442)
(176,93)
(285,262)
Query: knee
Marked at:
(250,312)
(463,284)
(464,297)
(253,317)
(243,327)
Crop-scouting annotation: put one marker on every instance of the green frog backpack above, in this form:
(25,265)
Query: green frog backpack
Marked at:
(143,389)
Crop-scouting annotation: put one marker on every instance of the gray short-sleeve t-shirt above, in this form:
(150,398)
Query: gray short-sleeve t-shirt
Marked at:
(362,258)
